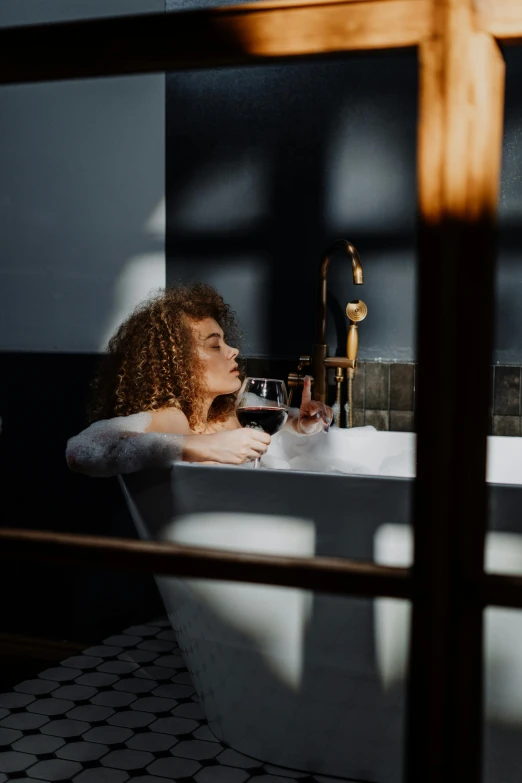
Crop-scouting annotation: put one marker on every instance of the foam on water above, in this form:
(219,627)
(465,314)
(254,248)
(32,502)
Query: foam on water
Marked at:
(121,445)
(401,464)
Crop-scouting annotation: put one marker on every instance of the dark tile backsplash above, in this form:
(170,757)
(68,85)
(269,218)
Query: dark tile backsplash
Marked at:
(402,387)
(377,386)
(506,391)
(384,394)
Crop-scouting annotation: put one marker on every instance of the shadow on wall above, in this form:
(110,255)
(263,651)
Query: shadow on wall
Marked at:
(267,164)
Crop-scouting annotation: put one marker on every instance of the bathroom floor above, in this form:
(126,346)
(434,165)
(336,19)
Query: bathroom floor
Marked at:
(122,710)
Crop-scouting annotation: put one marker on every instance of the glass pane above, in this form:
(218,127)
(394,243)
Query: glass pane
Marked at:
(42,11)
(265,168)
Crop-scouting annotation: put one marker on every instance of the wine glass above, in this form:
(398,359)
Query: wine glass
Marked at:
(263,404)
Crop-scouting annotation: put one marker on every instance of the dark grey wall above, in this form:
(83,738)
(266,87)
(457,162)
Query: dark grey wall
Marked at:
(82,168)
(267,165)
(508,317)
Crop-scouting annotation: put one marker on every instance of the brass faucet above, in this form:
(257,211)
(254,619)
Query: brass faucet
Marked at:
(319,360)
(320,349)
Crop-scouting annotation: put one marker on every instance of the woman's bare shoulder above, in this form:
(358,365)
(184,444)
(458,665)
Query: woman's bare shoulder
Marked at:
(169,420)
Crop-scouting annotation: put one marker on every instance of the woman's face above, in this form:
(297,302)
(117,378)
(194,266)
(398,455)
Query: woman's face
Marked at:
(221,375)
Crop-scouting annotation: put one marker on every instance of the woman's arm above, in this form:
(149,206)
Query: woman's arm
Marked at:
(122,445)
(127,444)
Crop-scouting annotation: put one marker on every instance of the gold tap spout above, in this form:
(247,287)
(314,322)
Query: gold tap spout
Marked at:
(358,279)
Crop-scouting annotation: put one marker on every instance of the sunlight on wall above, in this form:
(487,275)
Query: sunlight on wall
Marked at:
(155,225)
(223,195)
(366,173)
(140,276)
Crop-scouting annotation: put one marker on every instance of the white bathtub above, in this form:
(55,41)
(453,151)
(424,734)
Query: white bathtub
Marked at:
(315,682)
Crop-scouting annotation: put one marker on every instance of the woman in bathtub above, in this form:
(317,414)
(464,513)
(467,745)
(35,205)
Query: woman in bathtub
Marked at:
(166,390)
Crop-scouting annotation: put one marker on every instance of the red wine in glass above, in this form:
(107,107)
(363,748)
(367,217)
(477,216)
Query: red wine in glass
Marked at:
(269,419)
(263,404)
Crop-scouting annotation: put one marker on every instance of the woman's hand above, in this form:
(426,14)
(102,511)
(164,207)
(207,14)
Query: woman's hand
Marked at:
(313,416)
(232,447)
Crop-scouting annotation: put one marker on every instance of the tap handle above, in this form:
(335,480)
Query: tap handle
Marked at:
(352,342)
(296,380)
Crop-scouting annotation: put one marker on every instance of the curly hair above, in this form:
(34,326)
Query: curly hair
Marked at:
(151,361)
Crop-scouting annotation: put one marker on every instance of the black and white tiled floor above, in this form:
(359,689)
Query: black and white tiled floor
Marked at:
(124,710)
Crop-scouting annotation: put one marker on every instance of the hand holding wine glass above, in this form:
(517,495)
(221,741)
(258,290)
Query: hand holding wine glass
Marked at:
(263,404)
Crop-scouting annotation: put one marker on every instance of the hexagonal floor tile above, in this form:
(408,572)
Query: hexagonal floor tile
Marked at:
(149,779)
(279,779)
(138,656)
(154,704)
(108,735)
(82,751)
(98,679)
(133,685)
(38,743)
(118,667)
(174,726)
(131,720)
(59,674)
(12,761)
(127,759)
(82,662)
(50,706)
(103,651)
(194,711)
(8,736)
(155,646)
(24,721)
(75,692)
(174,768)
(225,775)
(171,661)
(66,728)
(36,687)
(196,749)
(158,673)
(174,691)
(114,699)
(13,701)
(151,741)
(90,712)
(101,775)
(54,769)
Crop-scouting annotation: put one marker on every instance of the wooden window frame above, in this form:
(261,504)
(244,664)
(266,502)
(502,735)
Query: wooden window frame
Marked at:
(461,93)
